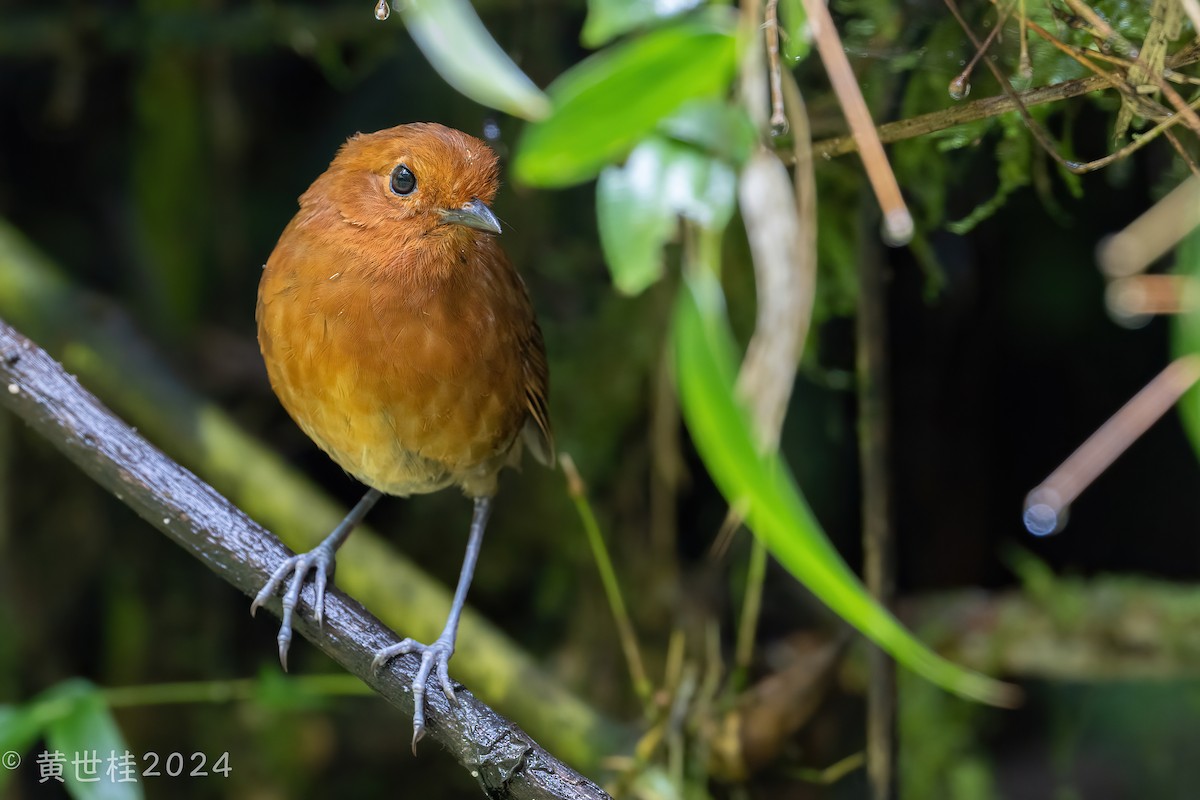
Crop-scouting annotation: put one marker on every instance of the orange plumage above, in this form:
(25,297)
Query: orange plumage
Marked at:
(399,336)
(403,345)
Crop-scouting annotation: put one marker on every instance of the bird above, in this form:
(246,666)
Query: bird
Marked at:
(401,339)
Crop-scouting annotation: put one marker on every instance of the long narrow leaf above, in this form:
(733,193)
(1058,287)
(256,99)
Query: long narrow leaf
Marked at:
(453,38)
(1185,335)
(774,508)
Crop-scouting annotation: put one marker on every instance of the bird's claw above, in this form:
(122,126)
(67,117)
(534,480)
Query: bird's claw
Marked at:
(433,656)
(320,561)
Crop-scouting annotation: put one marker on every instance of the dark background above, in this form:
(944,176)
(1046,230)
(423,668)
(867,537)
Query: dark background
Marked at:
(154,152)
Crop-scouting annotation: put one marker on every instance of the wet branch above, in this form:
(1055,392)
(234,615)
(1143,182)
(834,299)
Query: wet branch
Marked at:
(503,758)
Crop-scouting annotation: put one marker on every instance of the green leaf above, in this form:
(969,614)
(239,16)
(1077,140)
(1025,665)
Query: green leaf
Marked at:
(715,126)
(19,728)
(607,19)
(87,730)
(1185,335)
(610,101)
(453,38)
(637,206)
(795,40)
(774,508)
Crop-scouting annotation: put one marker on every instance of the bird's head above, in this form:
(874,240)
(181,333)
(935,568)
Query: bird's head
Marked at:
(422,179)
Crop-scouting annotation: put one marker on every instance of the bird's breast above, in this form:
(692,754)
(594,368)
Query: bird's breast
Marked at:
(409,385)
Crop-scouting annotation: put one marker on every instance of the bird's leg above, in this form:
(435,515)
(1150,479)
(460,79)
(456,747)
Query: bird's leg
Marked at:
(319,560)
(437,655)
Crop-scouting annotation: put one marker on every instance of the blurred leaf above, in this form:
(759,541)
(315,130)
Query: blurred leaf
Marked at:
(605,104)
(279,691)
(607,19)
(172,190)
(795,40)
(453,38)
(637,206)
(1185,335)
(715,126)
(774,508)
(19,728)
(87,729)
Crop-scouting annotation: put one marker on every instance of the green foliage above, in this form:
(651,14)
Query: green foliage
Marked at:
(795,39)
(1014,154)
(761,487)
(608,19)
(604,108)
(77,723)
(606,104)
(1185,335)
(638,206)
(454,40)
(717,127)
(942,756)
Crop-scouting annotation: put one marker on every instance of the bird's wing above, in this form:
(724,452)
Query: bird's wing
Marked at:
(536,433)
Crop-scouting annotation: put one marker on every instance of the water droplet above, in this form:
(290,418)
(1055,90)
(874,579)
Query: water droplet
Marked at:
(491,130)
(897,228)
(960,87)
(1041,520)
(1045,512)
(383,10)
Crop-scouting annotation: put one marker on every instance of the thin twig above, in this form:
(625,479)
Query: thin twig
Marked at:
(208,526)
(870,331)
(756,574)
(1124,86)
(608,576)
(960,87)
(779,123)
(1024,63)
(976,110)
(1131,148)
(984,108)
(1047,504)
(1035,129)
(1100,25)
(1153,234)
(1135,299)
(897,221)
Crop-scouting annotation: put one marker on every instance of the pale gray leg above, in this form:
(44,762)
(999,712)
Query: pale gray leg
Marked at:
(437,655)
(321,561)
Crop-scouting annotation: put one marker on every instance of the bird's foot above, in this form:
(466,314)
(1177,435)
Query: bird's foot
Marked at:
(320,561)
(434,656)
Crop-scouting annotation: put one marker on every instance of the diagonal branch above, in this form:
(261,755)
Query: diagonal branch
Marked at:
(96,340)
(504,759)
(986,107)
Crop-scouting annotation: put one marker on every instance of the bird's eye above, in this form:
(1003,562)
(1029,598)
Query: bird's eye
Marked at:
(404,182)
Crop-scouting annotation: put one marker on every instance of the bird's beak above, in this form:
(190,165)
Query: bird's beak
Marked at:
(474,214)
